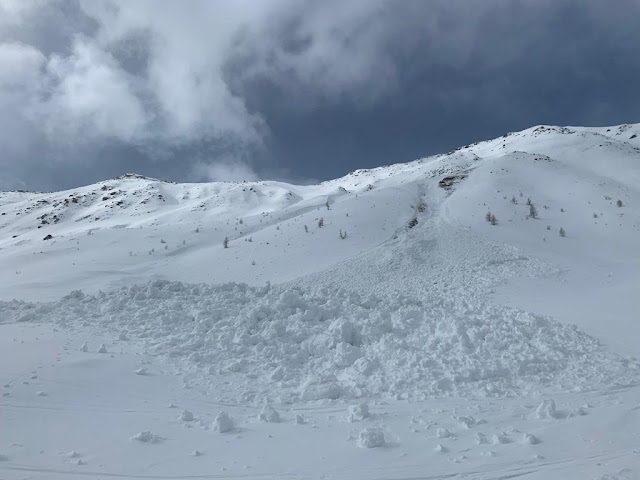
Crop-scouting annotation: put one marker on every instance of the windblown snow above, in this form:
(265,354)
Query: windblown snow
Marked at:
(433,306)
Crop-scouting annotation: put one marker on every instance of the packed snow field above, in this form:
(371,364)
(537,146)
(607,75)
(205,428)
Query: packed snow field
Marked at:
(468,315)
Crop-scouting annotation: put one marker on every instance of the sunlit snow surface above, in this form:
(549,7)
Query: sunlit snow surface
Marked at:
(428,343)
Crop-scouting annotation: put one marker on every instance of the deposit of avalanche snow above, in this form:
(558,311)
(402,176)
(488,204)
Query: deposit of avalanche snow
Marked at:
(289,344)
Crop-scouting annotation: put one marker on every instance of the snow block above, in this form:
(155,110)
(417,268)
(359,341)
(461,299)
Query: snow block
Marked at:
(269,414)
(222,423)
(358,412)
(371,438)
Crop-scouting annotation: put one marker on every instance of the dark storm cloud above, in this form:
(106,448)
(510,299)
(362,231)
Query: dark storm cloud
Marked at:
(295,90)
(459,76)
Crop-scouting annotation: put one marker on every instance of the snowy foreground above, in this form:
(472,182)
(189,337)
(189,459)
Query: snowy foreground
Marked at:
(426,343)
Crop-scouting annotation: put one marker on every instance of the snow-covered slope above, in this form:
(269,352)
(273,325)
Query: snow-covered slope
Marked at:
(133,228)
(383,286)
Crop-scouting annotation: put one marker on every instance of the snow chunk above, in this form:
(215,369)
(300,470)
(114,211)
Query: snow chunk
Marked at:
(320,388)
(481,438)
(84,347)
(371,438)
(468,422)
(40,393)
(530,439)
(223,423)
(358,412)
(547,409)
(103,348)
(186,416)
(580,411)
(441,448)
(500,439)
(146,437)
(269,414)
(346,354)
(443,433)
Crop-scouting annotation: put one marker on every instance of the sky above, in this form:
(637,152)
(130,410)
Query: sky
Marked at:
(295,90)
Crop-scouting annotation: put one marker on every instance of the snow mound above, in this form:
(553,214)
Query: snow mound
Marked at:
(146,437)
(318,343)
(223,423)
(186,416)
(547,409)
(269,414)
(500,439)
(358,412)
(371,438)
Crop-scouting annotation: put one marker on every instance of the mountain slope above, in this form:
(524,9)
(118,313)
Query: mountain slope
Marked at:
(425,330)
(133,228)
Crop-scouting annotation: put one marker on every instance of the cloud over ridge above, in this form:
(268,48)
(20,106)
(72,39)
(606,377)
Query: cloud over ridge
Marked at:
(94,85)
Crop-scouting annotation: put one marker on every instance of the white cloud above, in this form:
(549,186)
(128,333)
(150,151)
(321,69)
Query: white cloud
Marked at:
(20,84)
(177,93)
(20,66)
(187,50)
(91,97)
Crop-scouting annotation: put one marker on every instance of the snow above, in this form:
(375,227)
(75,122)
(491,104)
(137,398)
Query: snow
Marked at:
(358,412)
(223,423)
(530,439)
(146,437)
(500,439)
(395,346)
(269,414)
(547,409)
(428,331)
(186,416)
(371,438)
